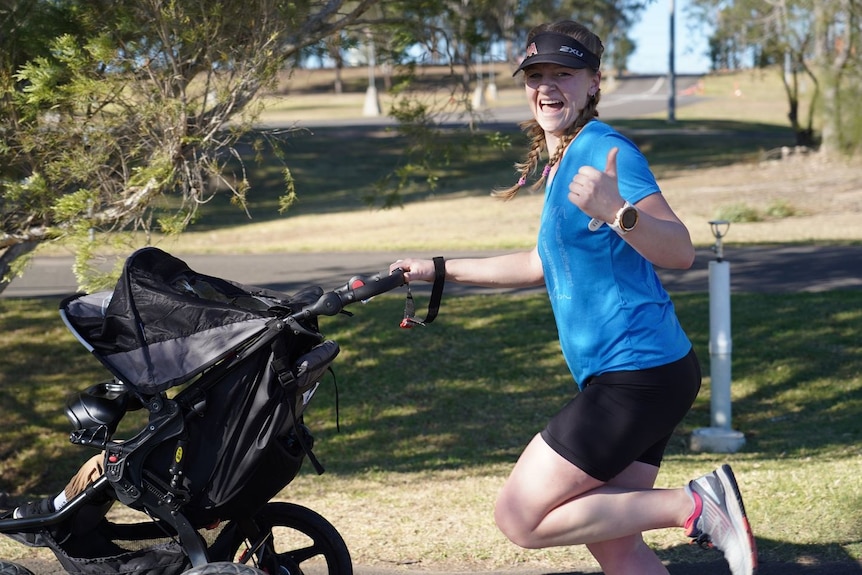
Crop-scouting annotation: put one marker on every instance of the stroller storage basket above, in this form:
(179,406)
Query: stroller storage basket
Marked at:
(104,556)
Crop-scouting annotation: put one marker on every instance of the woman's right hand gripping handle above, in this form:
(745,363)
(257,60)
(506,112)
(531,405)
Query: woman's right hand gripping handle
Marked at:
(415,269)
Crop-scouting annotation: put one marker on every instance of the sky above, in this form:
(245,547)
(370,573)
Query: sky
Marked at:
(653,40)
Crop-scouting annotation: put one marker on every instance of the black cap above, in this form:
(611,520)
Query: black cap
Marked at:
(555,48)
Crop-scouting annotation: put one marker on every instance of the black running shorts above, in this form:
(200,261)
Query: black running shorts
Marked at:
(624,416)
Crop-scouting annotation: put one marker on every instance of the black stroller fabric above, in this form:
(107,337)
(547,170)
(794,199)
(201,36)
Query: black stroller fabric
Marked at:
(104,557)
(245,385)
(247,447)
(164,323)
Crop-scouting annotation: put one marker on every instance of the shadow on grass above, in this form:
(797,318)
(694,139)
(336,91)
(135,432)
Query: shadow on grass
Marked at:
(826,559)
(340,169)
(800,358)
(450,396)
(474,387)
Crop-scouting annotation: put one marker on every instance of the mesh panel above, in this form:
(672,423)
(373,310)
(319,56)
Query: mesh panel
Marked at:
(125,549)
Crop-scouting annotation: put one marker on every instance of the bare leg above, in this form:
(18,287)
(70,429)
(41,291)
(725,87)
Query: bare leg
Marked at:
(627,556)
(630,555)
(549,502)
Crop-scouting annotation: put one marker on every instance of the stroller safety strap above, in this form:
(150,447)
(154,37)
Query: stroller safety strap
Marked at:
(304,375)
(433,304)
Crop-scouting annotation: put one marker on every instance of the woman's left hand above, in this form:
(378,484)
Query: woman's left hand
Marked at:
(596,192)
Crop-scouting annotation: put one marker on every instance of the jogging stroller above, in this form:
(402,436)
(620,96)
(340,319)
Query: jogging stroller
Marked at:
(225,372)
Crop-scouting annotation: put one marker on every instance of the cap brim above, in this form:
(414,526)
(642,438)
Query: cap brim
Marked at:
(559,59)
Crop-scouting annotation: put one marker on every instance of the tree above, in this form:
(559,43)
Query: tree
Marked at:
(813,39)
(838,53)
(116,115)
(119,115)
(462,29)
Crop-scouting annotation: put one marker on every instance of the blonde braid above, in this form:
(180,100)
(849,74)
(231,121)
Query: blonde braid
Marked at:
(537,136)
(531,162)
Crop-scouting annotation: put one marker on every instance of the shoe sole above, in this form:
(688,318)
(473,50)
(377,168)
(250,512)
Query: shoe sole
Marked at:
(736,508)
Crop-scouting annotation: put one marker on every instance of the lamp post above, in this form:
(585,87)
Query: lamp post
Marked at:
(491,90)
(671,72)
(719,437)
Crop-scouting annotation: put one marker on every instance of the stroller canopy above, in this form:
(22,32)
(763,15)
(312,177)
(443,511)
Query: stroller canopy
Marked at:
(164,323)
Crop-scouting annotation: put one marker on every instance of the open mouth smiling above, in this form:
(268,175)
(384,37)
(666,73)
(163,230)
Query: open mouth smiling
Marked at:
(550,104)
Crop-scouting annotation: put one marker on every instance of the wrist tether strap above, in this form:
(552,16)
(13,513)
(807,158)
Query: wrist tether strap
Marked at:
(433,305)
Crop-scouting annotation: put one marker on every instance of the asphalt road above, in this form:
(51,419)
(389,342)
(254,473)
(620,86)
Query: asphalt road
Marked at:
(768,269)
(628,97)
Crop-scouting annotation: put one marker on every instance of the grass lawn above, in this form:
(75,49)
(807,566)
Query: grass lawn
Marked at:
(433,419)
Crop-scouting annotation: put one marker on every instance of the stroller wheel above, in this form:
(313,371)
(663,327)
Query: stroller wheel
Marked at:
(298,538)
(223,568)
(9,568)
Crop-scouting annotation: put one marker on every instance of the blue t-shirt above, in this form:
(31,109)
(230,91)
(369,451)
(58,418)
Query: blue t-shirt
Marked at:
(611,310)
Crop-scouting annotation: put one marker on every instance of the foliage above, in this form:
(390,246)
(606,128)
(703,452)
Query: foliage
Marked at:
(461,35)
(740,212)
(119,116)
(815,45)
(737,213)
(780,209)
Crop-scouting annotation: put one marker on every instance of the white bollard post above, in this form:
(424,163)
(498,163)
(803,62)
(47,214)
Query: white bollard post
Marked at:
(720,343)
(719,437)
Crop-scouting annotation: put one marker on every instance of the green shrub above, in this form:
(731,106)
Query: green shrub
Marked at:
(738,213)
(780,209)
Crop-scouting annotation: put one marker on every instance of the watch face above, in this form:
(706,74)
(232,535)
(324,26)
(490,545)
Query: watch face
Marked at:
(629,218)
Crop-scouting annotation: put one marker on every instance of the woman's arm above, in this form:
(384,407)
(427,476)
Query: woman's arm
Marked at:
(521,269)
(659,235)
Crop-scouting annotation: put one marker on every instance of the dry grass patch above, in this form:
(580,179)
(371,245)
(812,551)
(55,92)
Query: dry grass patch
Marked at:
(825,198)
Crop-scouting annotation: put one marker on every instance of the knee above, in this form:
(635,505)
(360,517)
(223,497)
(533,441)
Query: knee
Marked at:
(514,525)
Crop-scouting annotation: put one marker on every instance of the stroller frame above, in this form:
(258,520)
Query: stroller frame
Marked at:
(178,506)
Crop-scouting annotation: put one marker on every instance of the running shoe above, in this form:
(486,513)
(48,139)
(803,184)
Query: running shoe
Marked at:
(59,532)
(719,520)
(41,507)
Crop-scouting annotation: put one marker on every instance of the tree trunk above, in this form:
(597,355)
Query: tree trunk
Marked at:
(836,32)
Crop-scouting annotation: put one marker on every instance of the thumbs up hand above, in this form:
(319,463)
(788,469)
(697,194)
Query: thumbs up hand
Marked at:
(596,192)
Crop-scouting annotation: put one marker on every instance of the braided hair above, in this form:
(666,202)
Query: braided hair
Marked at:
(535,132)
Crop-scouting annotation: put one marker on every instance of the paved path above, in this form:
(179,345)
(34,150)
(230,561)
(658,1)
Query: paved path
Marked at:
(775,269)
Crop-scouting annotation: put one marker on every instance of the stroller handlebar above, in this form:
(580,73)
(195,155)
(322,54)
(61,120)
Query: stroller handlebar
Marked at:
(357,289)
